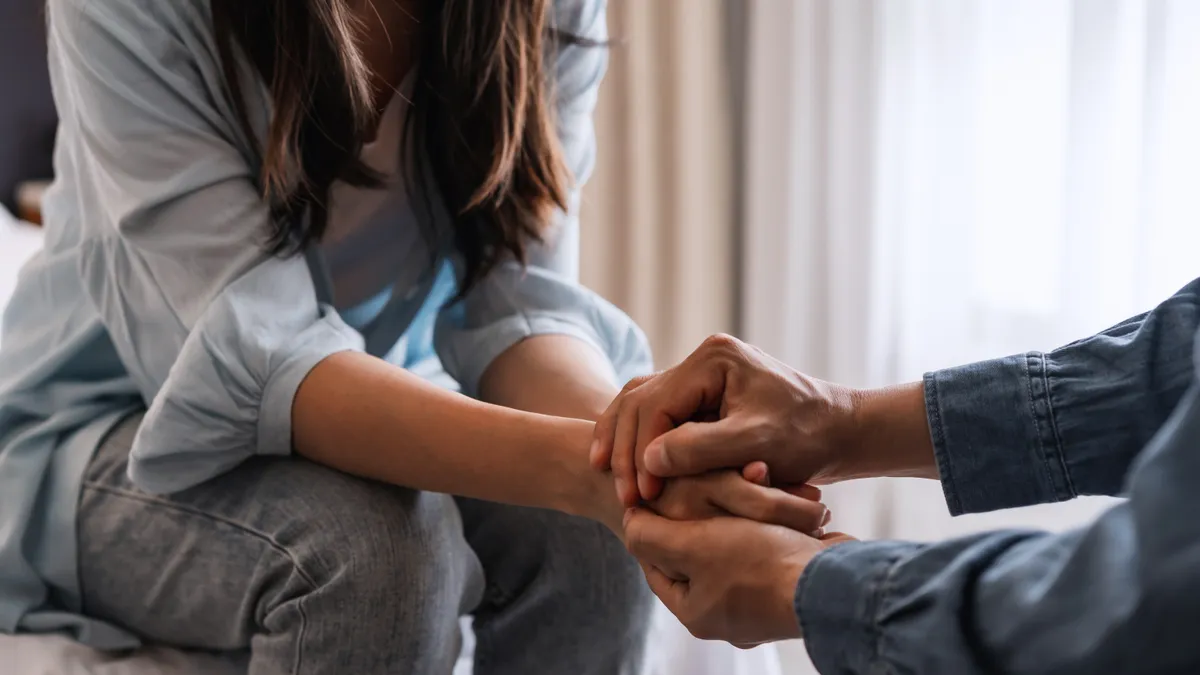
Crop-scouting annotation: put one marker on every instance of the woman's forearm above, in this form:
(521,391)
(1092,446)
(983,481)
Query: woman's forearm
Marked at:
(553,375)
(361,415)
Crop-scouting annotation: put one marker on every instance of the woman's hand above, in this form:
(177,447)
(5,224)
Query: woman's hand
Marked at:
(719,494)
(805,430)
(728,493)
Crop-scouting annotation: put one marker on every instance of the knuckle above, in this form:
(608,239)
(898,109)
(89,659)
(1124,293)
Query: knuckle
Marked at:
(620,406)
(730,354)
(620,409)
(633,384)
(633,401)
(722,342)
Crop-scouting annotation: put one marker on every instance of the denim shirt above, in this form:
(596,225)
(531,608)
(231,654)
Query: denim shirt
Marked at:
(1116,413)
(153,289)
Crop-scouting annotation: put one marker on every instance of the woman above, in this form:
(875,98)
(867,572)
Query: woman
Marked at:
(254,206)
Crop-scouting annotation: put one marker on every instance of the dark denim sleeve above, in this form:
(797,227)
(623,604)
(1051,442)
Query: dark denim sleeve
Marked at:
(1118,597)
(1045,427)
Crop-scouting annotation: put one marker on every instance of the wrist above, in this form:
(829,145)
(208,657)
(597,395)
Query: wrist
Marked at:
(784,600)
(886,434)
(581,490)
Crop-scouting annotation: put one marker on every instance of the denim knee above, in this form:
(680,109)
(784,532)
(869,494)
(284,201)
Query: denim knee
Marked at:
(568,567)
(590,566)
(395,554)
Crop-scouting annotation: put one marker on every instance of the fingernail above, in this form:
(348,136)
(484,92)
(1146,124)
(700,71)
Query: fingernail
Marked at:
(656,458)
(621,491)
(629,514)
(594,451)
(819,533)
(828,517)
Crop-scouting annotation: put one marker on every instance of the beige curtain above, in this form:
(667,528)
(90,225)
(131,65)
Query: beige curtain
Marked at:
(658,219)
(659,236)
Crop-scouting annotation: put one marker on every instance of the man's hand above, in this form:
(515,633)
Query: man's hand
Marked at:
(730,404)
(763,411)
(725,578)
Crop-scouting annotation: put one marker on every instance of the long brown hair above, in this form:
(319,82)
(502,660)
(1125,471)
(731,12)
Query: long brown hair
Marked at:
(482,109)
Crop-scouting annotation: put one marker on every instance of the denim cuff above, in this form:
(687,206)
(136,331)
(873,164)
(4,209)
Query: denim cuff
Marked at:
(994,435)
(839,600)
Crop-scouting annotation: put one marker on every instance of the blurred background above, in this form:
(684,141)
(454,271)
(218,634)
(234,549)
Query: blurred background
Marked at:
(868,189)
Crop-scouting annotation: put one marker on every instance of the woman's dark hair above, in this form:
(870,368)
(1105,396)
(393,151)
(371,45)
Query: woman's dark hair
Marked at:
(482,108)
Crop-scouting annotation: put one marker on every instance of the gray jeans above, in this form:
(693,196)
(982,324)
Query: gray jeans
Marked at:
(315,571)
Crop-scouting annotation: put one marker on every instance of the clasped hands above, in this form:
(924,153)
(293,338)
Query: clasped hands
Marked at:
(737,421)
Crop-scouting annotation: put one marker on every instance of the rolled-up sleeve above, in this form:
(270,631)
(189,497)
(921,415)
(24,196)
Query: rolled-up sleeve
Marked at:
(514,303)
(1116,597)
(216,334)
(1046,427)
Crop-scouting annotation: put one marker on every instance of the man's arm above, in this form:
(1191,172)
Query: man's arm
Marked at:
(1117,597)
(1037,428)
(1016,431)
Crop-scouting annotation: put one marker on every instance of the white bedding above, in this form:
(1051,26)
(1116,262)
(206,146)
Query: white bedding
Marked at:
(52,655)
(671,652)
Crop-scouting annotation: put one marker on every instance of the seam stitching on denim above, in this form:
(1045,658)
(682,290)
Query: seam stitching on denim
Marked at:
(245,529)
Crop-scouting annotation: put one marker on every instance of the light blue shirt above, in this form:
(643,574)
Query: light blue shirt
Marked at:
(153,289)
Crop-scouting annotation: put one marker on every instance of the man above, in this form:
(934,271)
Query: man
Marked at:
(1118,412)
